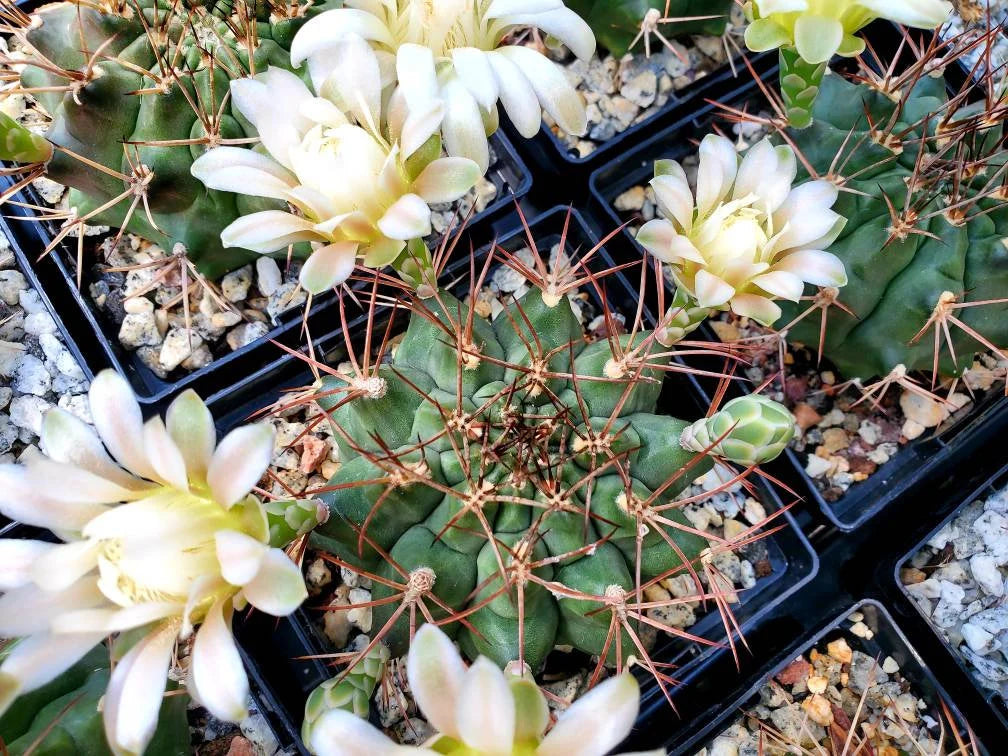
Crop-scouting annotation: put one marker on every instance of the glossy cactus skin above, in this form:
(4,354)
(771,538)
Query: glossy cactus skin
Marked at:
(95,119)
(524,455)
(350,690)
(895,283)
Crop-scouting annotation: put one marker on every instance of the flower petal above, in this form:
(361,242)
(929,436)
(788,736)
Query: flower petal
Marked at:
(485,711)
(922,14)
(472,66)
(436,672)
(267,231)
(191,426)
(340,733)
(118,420)
(417,77)
(36,660)
(815,267)
(780,283)
(517,96)
(115,620)
(673,195)
(419,126)
(61,566)
(17,555)
(240,556)
(240,461)
(243,171)
(607,712)
(278,588)
(27,610)
(164,454)
(355,82)
(462,128)
(817,38)
(23,498)
(216,674)
(765,34)
(446,179)
(711,291)
(135,690)
(716,171)
(320,31)
(408,218)
(564,24)
(764,311)
(68,440)
(660,238)
(328,266)
(556,95)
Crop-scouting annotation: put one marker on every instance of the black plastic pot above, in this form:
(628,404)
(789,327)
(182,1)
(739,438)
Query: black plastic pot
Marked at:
(99,340)
(916,462)
(887,640)
(269,645)
(997,482)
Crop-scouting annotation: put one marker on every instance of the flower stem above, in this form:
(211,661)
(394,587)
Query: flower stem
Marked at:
(799,82)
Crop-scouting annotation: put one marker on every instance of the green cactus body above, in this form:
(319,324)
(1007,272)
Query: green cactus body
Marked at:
(896,281)
(460,460)
(63,717)
(617,22)
(95,119)
(350,691)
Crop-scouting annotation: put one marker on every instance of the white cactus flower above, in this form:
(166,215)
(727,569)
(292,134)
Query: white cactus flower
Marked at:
(820,29)
(484,711)
(747,237)
(160,534)
(449,61)
(356,192)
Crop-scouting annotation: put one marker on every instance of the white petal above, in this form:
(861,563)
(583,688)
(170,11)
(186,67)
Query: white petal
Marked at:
(118,420)
(243,171)
(923,14)
(23,498)
(806,228)
(79,486)
(781,284)
(278,134)
(446,179)
(240,556)
(355,83)
(164,454)
(278,588)
(758,165)
(34,661)
(61,566)
(408,218)
(17,555)
(555,93)
(485,711)
(320,31)
(711,291)
(597,722)
(339,733)
(416,74)
(135,691)
(240,461)
(760,309)
(67,439)
(817,38)
(191,426)
(267,231)
(288,95)
(419,126)
(673,195)
(499,8)
(462,127)
(517,96)
(660,238)
(716,171)
(27,610)
(473,67)
(565,25)
(114,620)
(815,267)
(328,266)
(436,672)
(216,673)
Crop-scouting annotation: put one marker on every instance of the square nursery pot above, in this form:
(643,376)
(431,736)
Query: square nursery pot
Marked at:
(95,332)
(969,542)
(914,463)
(886,640)
(270,646)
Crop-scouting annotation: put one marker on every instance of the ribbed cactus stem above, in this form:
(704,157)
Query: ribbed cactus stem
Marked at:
(350,691)
(20,145)
(749,430)
(290,519)
(800,81)
(682,318)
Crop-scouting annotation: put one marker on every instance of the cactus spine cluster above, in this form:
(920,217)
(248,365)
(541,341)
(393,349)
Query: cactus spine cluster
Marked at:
(137,90)
(515,481)
(924,245)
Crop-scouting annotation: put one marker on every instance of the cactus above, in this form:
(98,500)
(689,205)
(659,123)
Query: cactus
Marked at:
(518,448)
(138,87)
(350,691)
(617,23)
(924,243)
(64,716)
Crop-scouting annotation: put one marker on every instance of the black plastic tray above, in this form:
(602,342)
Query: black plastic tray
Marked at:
(887,640)
(997,482)
(100,340)
(288,683)
(915,462)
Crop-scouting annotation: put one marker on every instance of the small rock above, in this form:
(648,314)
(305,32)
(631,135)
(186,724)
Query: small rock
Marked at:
(839,650)
(806,416)
(835,439)
(976,638)
(313,451)
(818,708)
(39,323)
(268,276)
(235,285)
(286,297)
(986,573)
(178,344)
(31,376)
(641,89)
(12,283)
(922,409)
(631,200)
(27,411)
(246,333)
(139,329)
